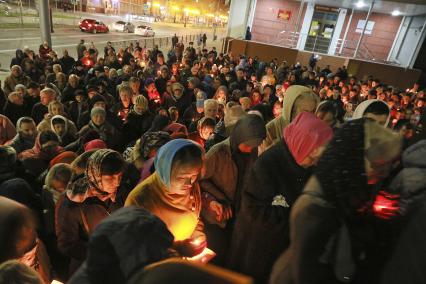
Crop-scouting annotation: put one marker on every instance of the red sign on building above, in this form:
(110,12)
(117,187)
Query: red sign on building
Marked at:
(284,15)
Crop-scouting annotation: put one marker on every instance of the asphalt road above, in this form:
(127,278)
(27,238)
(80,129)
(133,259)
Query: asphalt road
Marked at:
(67,38)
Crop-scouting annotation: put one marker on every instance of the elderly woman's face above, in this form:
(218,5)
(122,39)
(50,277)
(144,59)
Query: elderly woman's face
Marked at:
(110,183)
(183,178)
(98,119)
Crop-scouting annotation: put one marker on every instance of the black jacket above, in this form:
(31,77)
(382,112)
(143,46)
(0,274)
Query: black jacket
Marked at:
(136,126)
(261,231)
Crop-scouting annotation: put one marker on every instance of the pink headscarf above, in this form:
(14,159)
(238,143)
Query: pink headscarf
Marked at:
(305,134)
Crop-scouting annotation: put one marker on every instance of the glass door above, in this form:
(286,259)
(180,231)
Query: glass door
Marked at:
(321,31)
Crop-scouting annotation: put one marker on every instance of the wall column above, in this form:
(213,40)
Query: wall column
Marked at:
(239,18)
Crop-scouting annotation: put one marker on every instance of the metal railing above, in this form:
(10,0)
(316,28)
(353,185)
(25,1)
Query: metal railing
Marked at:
(321,44)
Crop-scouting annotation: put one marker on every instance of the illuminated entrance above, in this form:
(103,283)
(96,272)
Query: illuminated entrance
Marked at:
(322,29)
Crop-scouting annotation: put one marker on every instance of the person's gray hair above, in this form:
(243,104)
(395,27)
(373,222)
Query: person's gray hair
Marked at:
(49,91)
(20,86)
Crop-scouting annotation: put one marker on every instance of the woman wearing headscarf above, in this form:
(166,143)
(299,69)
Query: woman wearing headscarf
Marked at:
(46,147)
(331,236)
(99,124)
(376,110)
(56,108)
(205,128)
(88,200)
(139,120)
(60,126)
(297,99)
(226,166)
(274,183)
(172,192)
(26,135)
(145,151)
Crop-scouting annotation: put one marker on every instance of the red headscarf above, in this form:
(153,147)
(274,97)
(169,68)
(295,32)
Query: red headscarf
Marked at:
(95,144)
(66,157)
(305,134)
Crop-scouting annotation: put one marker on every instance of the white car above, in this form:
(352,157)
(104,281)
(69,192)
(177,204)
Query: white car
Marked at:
(144,31)
(121,26)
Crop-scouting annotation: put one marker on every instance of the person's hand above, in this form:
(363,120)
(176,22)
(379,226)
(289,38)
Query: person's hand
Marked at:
(190,247)
(223,212)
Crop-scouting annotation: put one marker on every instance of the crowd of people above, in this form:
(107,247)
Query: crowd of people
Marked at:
(136,166)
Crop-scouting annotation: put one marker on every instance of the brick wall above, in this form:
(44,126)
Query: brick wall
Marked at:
(381,39)
(266,25)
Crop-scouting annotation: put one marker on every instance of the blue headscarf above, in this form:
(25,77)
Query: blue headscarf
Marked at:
(164,159)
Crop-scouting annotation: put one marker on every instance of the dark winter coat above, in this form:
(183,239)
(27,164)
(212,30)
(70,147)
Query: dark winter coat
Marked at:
(14,111)
(261,231)
(136,126)
(124,243)
(38,112)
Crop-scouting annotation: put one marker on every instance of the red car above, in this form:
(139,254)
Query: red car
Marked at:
(93,26)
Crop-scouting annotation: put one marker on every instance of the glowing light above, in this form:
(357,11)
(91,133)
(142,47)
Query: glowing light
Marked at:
(223,17)
(396,13)
(210,15)
(175,8)
(360,4)
(205,256)
(156,5)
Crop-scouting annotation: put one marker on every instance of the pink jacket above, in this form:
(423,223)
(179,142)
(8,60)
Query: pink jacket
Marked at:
(7,130)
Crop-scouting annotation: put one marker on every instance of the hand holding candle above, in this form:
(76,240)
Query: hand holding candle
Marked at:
(190,247)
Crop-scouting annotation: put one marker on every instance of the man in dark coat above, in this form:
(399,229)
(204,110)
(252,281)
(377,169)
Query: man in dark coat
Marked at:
(67,62)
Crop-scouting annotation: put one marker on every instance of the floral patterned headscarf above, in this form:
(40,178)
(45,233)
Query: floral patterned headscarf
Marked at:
(91,184)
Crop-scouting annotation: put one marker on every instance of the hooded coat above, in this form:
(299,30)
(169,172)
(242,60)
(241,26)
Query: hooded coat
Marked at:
(83,207)
(405,262)
(274,183)
(121,245)
(360,109)
(225,165)
(20,143)
(69,134)
(330,240)
(180,211)
(274,129)
(46,124)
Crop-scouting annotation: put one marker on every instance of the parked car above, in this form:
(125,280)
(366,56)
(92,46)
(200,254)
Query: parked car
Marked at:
(93,26)
(4,8)
(121,26)
(144,30)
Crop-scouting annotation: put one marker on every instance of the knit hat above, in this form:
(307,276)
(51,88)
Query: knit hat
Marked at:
(97,111)
(305,134)
(95,144)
